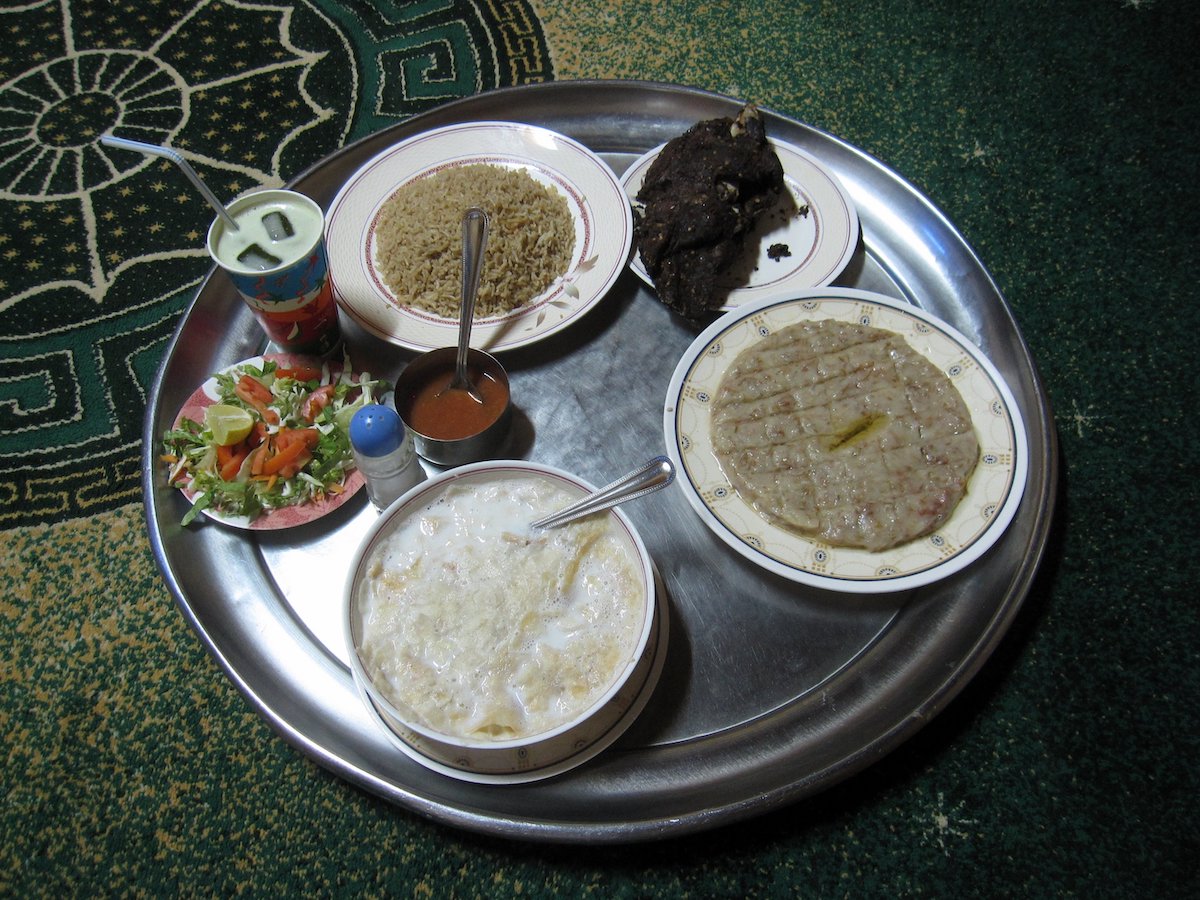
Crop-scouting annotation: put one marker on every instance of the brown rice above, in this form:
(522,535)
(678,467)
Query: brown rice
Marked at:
(419,239)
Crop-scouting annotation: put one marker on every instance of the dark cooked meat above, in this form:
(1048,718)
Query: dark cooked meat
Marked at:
(701,197)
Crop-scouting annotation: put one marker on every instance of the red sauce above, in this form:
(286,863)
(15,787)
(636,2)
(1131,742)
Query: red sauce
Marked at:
(450,414)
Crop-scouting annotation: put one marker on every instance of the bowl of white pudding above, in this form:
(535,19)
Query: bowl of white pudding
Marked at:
(493,651)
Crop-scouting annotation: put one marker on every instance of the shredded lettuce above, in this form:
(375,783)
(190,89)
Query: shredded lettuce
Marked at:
(192,454)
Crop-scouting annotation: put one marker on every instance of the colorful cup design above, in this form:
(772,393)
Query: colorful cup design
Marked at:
(276,260)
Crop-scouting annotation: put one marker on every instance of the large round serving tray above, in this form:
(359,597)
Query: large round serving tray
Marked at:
(771,690)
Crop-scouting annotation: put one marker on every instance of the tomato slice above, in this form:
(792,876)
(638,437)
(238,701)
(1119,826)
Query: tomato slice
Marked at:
(250,387)
(315,402)
(257,395)
(230,459)
(293,450)
(299,372)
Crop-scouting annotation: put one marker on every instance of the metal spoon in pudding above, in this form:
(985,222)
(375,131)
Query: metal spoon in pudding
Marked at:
(646,479)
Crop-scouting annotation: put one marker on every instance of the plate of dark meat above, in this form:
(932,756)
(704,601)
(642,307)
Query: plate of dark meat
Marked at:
(726,215)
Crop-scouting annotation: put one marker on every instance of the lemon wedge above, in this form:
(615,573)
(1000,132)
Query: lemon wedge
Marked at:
(343,416)
(229,424)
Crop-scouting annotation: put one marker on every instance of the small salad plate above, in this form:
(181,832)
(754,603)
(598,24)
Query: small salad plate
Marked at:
(286,516)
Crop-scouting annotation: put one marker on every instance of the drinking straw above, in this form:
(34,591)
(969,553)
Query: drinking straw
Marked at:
(110,140)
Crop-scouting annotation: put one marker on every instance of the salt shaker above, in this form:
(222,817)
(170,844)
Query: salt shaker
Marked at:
(384,453)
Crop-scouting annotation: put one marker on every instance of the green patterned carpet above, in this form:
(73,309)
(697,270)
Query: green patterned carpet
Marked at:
(103,247)
(1059,138)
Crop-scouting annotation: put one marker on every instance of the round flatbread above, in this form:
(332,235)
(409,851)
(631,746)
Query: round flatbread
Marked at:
(843,433)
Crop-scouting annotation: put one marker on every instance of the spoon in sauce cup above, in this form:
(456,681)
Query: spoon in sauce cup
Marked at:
(456,401)
(474,241)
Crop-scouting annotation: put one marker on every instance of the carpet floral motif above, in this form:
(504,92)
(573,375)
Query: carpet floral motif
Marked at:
(102,248)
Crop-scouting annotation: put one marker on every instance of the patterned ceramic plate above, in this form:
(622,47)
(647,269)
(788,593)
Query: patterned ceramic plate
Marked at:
(993,492)
(816,223)
(287,516)
(603,232)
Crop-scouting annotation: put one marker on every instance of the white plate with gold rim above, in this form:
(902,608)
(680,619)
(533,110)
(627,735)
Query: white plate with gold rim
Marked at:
(993,491)
(598,205)
(816,222)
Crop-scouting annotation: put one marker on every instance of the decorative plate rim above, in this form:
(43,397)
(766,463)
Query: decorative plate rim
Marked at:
(998,480)
(602,215)
(832,214)
(287,516)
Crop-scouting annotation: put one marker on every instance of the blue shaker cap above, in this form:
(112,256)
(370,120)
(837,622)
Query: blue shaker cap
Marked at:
(376,430)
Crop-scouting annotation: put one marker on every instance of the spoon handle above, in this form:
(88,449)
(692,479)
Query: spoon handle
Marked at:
(474,240)
(657,473)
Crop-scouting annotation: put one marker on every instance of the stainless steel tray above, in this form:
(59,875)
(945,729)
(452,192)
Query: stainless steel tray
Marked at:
(771,691)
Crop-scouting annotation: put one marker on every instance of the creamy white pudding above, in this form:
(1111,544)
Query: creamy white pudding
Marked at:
(478,627)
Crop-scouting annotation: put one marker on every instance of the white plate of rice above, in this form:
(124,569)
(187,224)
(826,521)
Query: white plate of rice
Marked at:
(394,238)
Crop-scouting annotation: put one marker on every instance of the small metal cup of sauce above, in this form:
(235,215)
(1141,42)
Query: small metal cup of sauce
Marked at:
(456,400)
(449,427)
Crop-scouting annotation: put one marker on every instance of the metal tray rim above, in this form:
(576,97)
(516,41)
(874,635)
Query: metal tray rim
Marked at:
(1043,443)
